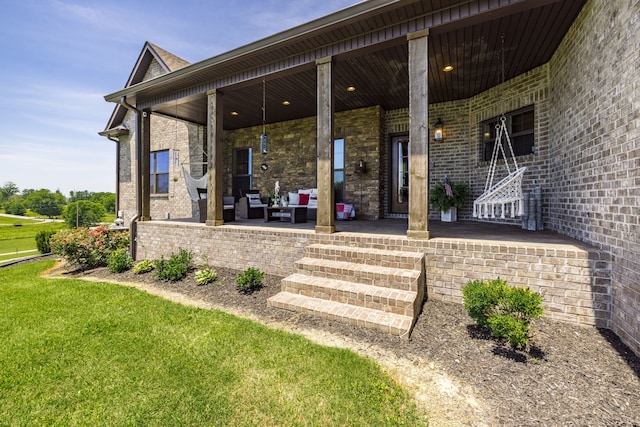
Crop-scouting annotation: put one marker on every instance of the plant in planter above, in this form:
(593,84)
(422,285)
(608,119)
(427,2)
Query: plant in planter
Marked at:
(449,200)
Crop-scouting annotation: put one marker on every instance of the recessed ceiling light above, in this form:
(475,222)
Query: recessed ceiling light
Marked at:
(286,102)
(234,113)
(351,89)
(447,68)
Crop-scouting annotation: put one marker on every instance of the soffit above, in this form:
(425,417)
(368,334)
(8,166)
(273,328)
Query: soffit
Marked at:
(472,44)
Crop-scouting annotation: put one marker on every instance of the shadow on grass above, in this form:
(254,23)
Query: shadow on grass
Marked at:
(533,354)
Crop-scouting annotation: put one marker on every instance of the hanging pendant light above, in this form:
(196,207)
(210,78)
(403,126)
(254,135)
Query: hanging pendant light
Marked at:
(263,136)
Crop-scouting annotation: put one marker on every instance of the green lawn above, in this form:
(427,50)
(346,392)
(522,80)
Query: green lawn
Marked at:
(84,353)
(21,238)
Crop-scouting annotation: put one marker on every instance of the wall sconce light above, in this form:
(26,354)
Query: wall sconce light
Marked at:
(176,157)
(438,131)
(361,166)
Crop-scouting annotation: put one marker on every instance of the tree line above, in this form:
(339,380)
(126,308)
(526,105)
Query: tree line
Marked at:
(81,208)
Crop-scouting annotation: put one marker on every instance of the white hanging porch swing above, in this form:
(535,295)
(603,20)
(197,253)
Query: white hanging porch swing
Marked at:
(506,195)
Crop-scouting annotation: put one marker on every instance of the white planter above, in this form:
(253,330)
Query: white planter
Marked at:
(449,216)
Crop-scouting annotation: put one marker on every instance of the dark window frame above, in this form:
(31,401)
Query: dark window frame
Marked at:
(339,169)
(159,175)
(521,128)
(242,169)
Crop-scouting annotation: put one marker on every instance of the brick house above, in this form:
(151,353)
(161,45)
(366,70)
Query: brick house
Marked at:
(357,85)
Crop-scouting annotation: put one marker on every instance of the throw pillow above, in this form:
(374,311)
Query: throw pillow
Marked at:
(254,199)
(294,199)
(303,199)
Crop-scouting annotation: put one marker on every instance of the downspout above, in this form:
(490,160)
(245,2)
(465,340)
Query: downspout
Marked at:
(133,227)
(117,141)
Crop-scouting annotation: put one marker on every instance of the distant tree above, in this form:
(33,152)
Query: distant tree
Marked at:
(74,196)
(46,203)
(15,207)
(108,200)
(83,213)
(7,190)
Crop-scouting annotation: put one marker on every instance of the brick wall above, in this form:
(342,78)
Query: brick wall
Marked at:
(595,147)
(291,156)
(573,279)
(184,141)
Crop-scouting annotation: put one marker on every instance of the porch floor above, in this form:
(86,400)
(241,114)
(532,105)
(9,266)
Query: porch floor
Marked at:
(466,230)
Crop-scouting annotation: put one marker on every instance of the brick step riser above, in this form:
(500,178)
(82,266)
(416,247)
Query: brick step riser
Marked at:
(356,276)
(362,321)
(358,299)
(391,261)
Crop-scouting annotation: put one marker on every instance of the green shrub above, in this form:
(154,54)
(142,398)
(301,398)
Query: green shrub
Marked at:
(176,267)
(205,276)
(249,280)
(143,267)
(481,298)
(119,261)
(42,241)
(505,311)
(15,208)
(88,248)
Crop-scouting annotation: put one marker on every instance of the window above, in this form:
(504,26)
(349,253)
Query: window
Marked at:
(520,126)
(159,172)
(338,170)
(242,169)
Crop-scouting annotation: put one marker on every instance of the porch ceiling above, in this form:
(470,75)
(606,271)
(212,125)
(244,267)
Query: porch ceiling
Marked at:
(532,31)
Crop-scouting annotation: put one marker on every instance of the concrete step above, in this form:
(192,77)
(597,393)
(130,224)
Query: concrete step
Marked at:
(379,298)
(385,277)
(395,324)
(370,256)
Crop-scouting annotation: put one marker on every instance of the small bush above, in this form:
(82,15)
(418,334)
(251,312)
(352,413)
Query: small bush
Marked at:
(143,267)
(119,261)
(505,311)
(176,267)
(205,276)
(87,248)
(249,280)
(42,241)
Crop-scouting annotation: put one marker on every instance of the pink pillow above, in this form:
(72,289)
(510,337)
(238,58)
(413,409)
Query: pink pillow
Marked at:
(304,199)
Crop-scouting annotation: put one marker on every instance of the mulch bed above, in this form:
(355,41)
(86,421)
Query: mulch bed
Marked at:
(573,375)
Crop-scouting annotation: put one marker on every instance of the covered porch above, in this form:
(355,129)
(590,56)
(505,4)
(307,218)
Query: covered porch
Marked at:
(378,89)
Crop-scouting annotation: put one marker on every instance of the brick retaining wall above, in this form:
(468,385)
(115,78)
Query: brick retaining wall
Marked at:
(574,279)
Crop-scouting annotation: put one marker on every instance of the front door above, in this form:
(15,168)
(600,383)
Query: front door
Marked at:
(400,174)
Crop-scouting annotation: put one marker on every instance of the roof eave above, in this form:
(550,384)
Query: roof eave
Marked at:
(267,42)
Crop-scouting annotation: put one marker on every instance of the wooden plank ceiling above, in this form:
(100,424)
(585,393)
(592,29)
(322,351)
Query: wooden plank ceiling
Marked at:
(379,73)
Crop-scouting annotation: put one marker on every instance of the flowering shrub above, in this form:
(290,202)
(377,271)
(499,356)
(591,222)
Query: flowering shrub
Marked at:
(87,248)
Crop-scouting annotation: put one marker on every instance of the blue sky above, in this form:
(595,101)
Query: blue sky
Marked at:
(60,57)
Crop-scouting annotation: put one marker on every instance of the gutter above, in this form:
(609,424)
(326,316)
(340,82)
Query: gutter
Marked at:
(133,227)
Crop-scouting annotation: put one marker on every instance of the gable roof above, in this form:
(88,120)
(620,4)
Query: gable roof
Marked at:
(150,52)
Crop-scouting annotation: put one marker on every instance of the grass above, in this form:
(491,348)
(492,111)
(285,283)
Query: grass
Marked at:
(22,238)
(85,353)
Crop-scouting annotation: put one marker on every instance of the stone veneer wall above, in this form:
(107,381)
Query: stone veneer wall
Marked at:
(595,148)
(567,275)
(291,156)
